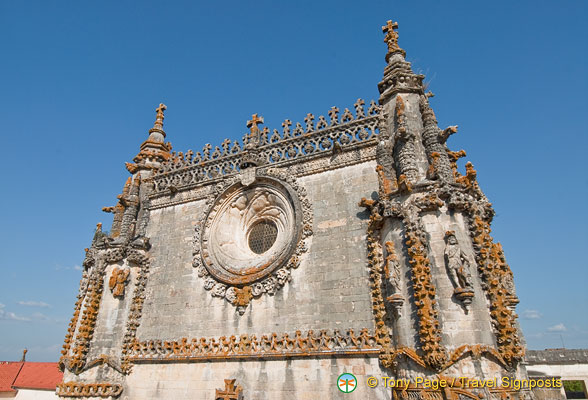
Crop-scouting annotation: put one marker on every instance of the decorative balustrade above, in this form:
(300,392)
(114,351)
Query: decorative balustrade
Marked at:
(249,346)
(185,169)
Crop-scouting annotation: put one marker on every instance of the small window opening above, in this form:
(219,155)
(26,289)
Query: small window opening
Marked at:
(262,236)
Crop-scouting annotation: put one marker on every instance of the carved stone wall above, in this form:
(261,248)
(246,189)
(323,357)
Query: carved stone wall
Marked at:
(327,286)
(268,267)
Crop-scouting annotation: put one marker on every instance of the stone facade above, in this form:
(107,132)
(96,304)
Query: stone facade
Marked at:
(265,269)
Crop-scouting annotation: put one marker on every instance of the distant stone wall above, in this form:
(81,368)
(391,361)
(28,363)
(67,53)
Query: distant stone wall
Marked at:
(566,364)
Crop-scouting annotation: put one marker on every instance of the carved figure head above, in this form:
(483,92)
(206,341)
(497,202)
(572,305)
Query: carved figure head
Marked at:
(450,237)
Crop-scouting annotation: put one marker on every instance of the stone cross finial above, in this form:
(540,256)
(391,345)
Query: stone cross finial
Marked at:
(252,123)
(253,136)
(226,144)
(231,391)
(391,38)
(359,113)
(286,125)
(159,118)
(334,115)
(309,125)
(162,107)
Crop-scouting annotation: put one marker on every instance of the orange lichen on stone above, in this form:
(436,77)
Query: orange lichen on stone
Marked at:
(76,389)
(376,267)
(495,273)
(88,322)
(391,38)
(387,186)
(433,166)
(231,392)
(404,184)
(434,353)
(118,281)
(249,346)
(469,179)
(243,296)
(453,157)
(132,168)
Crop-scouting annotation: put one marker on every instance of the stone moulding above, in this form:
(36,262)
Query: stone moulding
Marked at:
(308,344)
(376,266)
(497,276)
(85,331)
(79,337)
(351,155)
(187,170)
(424,293)
(434,354)
(136,310)
(75,389)
(64,359)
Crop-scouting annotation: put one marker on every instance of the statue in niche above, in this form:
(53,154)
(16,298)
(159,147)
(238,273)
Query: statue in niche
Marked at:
(392,273)
(457,262)
(458,268)
(118,280)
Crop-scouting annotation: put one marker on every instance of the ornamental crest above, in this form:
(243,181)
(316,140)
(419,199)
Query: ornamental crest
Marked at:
(251,235)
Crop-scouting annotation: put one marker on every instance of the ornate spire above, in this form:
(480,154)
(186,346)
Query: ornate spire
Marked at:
(398,74)
(154,150)
(391,39)
(158,125)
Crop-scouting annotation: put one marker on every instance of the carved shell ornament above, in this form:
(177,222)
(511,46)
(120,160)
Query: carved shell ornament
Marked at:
(251,235)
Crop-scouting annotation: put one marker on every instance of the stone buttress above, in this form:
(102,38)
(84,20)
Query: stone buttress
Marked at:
(267,268)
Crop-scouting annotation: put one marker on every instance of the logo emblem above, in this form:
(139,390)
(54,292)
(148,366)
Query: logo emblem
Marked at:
(346,383)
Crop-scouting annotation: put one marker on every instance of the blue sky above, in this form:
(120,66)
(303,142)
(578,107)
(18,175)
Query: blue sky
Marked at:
(81,80)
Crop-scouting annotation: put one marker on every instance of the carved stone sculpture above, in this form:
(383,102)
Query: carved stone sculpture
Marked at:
(118,280)
(458,268)
(392,272)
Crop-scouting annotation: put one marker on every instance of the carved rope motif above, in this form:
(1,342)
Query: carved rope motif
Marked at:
(434,354)
(75,389)
(375,264)
(91,289)
(136,310)
(497,278)
(424,293)
(85,331)
(64,359)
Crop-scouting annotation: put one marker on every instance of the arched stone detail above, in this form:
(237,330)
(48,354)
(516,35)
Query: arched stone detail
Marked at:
(223,258)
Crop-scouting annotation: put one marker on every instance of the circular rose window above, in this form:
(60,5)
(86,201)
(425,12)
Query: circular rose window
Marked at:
(250,231)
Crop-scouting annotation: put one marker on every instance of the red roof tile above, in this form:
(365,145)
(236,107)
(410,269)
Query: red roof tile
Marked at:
(8,373)
(38,375)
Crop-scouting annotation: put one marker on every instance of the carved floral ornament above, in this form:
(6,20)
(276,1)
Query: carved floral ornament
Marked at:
(251,236)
